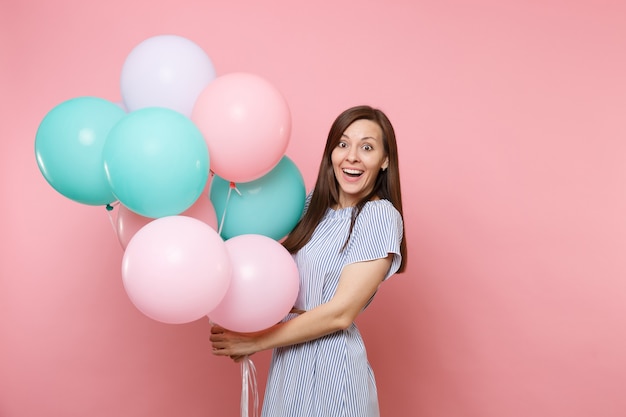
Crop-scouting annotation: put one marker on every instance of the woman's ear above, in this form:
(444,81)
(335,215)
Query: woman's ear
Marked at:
(385,164)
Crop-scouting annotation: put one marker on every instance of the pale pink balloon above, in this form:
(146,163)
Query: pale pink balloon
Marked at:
(128,222)
(176,269)
(246,124)
(264,284)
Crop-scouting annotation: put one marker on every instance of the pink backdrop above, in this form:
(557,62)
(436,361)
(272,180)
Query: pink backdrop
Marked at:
(510,119)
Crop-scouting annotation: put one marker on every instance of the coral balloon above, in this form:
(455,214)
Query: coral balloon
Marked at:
(165,71)
(69,145)
(128,222)
(264,284)
(269,206)
(176,269)
(246,124)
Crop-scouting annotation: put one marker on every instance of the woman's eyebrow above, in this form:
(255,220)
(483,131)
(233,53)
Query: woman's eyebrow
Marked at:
(363,138)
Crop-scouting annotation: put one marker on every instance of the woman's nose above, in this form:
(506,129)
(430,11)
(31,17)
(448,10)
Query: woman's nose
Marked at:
(352,155)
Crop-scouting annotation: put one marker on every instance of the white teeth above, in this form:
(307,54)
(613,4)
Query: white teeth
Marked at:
(352,171)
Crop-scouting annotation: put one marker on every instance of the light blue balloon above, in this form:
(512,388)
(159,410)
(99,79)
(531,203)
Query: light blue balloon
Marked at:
(269,206)
(69,145)
(156,161)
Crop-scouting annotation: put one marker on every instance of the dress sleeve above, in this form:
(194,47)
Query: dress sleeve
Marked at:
(307,202)
(377,233)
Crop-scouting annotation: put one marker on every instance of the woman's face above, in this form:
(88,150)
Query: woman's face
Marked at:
(357,159)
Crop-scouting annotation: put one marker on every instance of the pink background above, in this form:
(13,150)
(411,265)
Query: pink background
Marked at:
(510,118)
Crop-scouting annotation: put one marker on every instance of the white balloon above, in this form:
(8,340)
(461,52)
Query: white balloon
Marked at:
(165,71)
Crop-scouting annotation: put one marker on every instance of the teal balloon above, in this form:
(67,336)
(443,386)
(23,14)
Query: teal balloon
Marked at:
(270,205)
(156,161)
(69,145)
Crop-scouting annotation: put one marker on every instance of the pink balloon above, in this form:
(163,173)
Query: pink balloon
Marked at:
(128,222)
(203,210)
(246,124)
(264,284)
(176,269)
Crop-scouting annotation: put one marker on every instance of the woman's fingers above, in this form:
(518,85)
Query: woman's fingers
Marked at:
(221,349)
(216,337)
(218,334)
(219,339)
(227,343)
(216,328)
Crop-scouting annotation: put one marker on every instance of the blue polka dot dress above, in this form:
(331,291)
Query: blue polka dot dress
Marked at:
(331,376)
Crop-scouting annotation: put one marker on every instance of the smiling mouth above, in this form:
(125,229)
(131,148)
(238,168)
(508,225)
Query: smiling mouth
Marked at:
(354,173)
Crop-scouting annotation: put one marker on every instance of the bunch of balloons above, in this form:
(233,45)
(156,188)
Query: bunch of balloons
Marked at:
(196,164)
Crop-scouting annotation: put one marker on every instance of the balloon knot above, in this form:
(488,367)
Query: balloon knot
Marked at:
(109,207)
(232,185)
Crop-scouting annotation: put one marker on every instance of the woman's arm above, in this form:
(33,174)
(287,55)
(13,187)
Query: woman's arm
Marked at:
(357,284)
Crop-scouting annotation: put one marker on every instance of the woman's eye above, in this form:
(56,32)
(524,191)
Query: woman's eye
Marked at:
(342,145)
(367,147)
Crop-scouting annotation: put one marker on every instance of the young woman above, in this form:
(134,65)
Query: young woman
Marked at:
(349,240)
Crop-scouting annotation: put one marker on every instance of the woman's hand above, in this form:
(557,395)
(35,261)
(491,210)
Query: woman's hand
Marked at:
(357,284)
(233,344)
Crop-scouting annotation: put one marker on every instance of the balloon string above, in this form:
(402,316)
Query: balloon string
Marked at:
(109,208)
(248,381)
(230,189)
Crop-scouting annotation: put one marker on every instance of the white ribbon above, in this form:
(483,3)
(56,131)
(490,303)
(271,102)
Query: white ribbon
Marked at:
(110,208)
(231,187)
(248,387)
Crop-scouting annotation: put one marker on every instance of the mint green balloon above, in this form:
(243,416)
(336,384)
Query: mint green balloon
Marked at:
(156,161)
(69,144)
(269,206)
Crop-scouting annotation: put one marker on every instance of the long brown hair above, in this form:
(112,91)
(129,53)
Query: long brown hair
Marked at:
(326,191)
